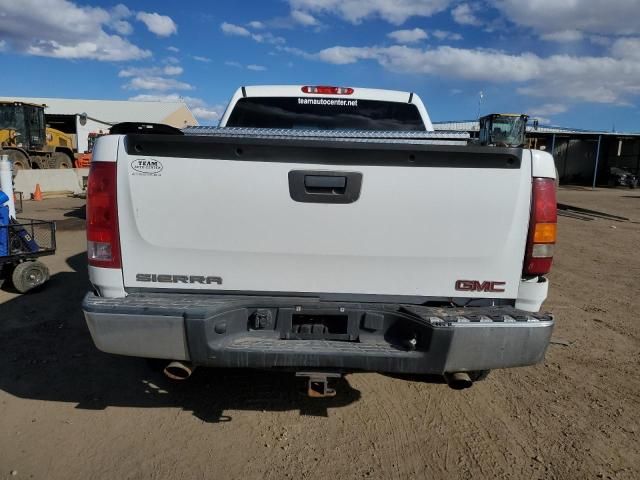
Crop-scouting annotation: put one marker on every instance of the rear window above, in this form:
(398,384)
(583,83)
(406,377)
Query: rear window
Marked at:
(324,113)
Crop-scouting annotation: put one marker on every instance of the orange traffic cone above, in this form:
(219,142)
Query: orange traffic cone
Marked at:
(37,195)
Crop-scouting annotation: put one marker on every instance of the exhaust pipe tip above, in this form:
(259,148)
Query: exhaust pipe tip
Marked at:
(178,370)
(458,380)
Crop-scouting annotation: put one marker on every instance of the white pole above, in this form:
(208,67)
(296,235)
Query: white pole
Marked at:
(480,99)
(6,183)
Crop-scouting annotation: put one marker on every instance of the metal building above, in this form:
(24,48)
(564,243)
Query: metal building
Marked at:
(582,157)
(68,115)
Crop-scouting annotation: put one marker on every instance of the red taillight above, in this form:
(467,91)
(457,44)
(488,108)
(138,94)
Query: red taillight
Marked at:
(542,227)
(326,90)
(103,241)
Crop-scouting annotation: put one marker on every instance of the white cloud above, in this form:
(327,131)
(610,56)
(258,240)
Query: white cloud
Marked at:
(589,79)
(295,51)
(256,25)
(121,11)
(619,17)
(548,109)
(103,47)
(354,11)
(237,30)
(122,27)
(62,29)
(563,36)
(446,35)
(200,109)
(268,37)
(173,49)
(150,97)
(118,22)
(158,84)
(464,14)
(408,36)
(208,113)
(346,55)
(628,48)
(151,71)
(304,18)
(198,58)
(172,70)
(161,25)
(253,67)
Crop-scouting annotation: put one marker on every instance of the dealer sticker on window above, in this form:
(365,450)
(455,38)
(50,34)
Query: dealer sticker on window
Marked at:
(339,102)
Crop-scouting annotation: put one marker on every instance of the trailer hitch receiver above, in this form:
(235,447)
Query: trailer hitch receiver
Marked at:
(318,383)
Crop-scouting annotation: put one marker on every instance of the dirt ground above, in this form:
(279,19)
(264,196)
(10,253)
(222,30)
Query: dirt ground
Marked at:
(68,411)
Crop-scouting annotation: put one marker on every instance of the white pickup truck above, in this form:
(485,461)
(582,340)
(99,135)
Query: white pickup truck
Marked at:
(321,229)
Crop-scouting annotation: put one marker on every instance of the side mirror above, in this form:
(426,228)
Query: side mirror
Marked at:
(83,118)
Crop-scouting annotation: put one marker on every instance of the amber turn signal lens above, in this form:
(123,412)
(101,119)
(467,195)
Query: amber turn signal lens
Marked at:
(545,233)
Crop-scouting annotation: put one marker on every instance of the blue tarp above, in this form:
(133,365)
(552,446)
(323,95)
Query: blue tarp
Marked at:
(4,225)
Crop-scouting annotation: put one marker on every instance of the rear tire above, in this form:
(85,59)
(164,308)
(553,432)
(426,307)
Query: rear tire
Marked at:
(29,275)
(19,160)
(61,160)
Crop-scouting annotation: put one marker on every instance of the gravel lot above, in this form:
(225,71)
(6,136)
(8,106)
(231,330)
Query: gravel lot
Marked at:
(68,411)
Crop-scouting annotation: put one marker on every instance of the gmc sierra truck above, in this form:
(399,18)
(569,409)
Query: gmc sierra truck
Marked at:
(323,230)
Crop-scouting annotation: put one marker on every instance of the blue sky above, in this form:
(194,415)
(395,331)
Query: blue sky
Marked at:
(572,63)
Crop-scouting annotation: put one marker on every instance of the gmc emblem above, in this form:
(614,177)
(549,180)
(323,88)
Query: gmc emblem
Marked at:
(476,286)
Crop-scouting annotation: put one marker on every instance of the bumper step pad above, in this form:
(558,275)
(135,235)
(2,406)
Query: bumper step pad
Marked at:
(452,316)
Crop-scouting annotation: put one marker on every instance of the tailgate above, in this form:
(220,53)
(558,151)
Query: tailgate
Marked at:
(300,216)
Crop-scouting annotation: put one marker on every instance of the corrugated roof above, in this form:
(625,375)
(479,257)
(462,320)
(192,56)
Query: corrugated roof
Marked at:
(111,111)
(473,126)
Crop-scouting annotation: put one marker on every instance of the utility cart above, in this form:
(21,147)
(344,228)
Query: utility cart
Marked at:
(22,242)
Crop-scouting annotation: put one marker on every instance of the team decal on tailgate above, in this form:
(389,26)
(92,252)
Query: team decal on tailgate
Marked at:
(146,166)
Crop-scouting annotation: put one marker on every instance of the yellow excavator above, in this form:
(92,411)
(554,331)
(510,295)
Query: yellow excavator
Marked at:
(29,143)
(503,129)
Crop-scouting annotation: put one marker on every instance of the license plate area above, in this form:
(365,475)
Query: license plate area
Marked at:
(318,324)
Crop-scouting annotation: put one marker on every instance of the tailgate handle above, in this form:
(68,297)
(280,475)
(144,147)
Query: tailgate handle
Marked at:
(324,187)
(324,182)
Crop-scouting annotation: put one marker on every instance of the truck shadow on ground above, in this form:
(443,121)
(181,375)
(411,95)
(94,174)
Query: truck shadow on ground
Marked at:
(46,353)
(77,212)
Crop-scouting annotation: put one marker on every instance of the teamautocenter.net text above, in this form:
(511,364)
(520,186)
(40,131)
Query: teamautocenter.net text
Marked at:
(328,101)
